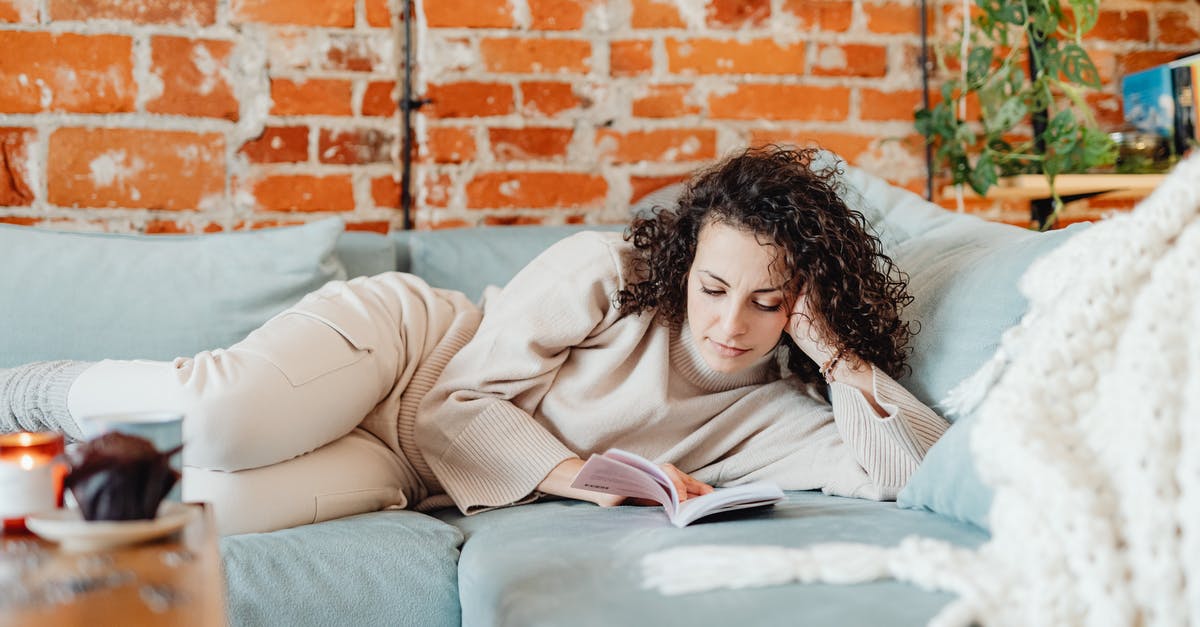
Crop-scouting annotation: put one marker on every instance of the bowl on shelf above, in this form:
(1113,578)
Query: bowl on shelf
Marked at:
(1139,152)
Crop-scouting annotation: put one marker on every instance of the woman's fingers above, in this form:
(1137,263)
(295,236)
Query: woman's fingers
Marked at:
(685,485)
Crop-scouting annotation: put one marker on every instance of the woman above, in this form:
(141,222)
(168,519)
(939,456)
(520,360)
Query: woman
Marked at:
(383,392)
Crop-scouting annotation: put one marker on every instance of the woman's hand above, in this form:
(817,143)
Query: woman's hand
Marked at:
(558,483)
(686,486)
(810,337)
(808,332)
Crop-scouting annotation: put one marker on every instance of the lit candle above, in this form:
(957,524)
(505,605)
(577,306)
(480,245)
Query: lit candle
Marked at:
(31,476)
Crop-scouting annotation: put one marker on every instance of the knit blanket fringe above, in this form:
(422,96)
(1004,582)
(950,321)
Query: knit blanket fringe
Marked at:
(1088,432)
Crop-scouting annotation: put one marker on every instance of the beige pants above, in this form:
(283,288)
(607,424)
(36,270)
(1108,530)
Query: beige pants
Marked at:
(272,434)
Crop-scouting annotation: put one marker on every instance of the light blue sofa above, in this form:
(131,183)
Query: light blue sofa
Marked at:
(550,563)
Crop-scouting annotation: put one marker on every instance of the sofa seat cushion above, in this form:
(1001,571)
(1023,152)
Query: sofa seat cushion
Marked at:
(384,568)
(572,563)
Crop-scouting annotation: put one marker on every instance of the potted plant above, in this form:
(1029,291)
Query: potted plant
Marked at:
(990,51)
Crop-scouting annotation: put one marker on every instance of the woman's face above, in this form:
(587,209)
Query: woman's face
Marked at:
(736,307)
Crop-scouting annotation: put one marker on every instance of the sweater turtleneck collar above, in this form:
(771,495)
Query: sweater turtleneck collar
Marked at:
(686,358)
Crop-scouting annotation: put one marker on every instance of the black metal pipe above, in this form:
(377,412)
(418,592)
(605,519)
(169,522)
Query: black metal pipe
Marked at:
(925,99)
(1040,116)
(406,109)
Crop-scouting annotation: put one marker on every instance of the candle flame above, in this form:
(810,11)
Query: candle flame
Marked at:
(25,439)
(27,462)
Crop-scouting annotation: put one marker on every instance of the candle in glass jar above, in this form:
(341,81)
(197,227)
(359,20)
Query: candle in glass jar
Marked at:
(31,476)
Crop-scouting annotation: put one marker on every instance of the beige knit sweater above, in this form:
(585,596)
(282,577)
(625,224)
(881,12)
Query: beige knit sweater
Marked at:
(554,373)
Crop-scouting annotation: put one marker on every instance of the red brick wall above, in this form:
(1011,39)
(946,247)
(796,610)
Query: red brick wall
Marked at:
(195,115)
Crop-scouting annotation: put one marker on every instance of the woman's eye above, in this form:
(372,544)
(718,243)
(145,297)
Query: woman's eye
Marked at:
(710,292)
(775,307)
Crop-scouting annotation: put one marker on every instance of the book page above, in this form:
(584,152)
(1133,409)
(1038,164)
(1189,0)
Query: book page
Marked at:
(755,494)
(648,467)
(602,474)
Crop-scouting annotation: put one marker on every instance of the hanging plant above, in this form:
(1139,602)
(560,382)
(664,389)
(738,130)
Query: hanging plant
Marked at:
(1048,99)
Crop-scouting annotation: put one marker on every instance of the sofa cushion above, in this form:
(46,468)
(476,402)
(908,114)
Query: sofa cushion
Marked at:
(384,568)
(572,563)
(469,260)
(93,296)
(948,481)
(364,253)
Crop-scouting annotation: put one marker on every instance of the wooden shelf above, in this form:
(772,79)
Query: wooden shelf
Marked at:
(1034,187)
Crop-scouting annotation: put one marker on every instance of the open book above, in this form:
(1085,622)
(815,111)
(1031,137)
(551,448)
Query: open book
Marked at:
(626,474)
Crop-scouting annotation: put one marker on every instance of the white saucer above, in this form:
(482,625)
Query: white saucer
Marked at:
(74,534)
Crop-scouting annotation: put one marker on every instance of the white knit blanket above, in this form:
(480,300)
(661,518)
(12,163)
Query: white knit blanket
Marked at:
(1090,437)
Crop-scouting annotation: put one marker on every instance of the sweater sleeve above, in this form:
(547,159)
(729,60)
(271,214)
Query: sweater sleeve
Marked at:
(476,427)
(888,448)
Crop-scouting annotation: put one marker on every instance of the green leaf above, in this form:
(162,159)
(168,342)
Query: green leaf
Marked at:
(960,169)
(1007,116)
(1062,134)
(1039,95)
(1047,54)
(978,67)
(1077,66)
(984,174)
(923,121)
(1003,10)
(1042,19)
(1098,148)
(987,26)
(948,88)
(1087,12)
(964,134)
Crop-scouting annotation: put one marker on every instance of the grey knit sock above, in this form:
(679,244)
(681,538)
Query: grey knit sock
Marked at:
(33,397)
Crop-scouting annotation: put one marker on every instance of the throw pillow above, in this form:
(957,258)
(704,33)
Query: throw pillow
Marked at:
(962,274)
(93,296)
(468,260)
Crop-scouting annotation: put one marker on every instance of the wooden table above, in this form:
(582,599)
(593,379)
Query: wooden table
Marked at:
(175,581)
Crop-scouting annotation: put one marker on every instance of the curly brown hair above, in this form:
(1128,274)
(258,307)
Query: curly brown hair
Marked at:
(828,249)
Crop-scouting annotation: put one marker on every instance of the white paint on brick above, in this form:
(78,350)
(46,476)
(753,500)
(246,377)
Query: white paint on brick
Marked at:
(67,81)
(712,86)
(243,202)
(190,154)
(605,97)
(288,48)
(606,145)
(212,204)
(888,159)
(248,73)
(693,12)
(509,188)
(150,87)
(446,55)
(690,146)
(114,168)
(520,13)
(211,70)
(788,24)
(830,58)
(603,17)
(27,10)
(45,95)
